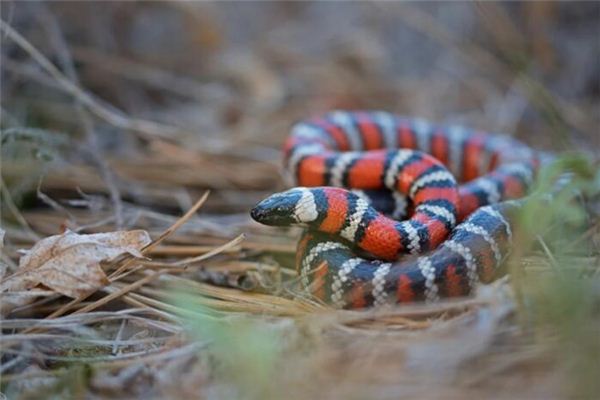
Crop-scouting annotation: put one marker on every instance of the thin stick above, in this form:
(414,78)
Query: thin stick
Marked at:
(121,292)
(164,235)
(105,113)
(211,253)
(160,313)
(15,211)
(548,253)
(168,308)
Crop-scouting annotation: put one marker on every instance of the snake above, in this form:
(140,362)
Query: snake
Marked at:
(398,209)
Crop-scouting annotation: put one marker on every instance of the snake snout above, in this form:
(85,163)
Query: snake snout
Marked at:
(257,213)
(262,214)
(274,211)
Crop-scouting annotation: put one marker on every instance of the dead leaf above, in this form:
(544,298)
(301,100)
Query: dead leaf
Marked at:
(70,263)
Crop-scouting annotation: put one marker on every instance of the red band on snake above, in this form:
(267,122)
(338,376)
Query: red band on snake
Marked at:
(361,172)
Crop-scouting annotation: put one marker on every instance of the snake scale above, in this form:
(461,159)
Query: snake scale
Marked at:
(398,209)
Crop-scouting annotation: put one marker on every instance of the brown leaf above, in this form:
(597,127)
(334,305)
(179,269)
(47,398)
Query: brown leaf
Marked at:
(70,263)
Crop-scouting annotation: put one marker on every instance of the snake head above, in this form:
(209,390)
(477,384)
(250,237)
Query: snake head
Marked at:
(292,207)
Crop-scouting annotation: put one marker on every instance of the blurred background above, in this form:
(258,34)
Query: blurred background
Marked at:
(119,115)
(202,94)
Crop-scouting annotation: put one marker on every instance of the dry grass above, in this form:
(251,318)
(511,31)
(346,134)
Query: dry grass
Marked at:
(102,131)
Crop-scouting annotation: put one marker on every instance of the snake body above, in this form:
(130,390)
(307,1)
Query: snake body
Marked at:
(359,173)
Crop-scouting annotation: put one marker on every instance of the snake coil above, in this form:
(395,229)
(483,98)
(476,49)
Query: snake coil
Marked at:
(360,173)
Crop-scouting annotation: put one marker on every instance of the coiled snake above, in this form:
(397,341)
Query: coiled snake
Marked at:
(456,236)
